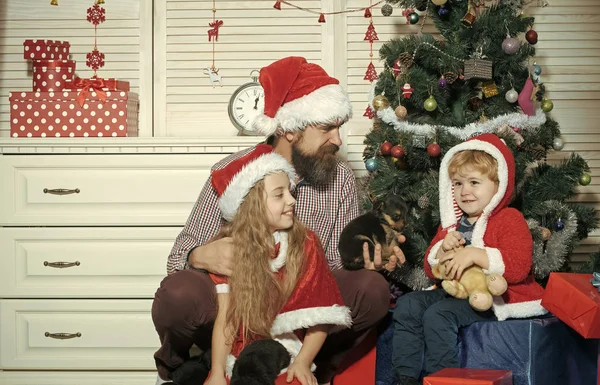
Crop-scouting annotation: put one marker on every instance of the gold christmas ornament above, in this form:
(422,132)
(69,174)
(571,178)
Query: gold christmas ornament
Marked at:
(469,19)
(401,112)
(430,104)
(439,2)
(489,89)
(380,102)
(54,2)
(545,233)
(547,105)
(99,2)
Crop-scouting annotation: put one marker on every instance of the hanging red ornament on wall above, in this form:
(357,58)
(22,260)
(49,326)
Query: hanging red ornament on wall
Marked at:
(368,13)
(368,112)
(94,59)
(371,34)
(277,5)
(321,18)
(213,33)
(371,73)
(96,14)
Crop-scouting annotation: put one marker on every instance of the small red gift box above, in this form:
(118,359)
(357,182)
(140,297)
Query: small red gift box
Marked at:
(52,75)
(466,376)
(59,114)
(572,298)
(46,50)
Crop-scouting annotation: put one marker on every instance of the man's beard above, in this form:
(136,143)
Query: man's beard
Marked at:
(317,169)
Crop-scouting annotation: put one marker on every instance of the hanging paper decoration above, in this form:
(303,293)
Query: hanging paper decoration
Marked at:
(277,5)
(371,73)
(321,18)
(368,112)
(371,35)
(368,13)
(367,10)
(96,15)
(213,37)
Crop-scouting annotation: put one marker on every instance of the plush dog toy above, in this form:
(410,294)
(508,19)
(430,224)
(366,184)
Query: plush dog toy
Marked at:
(381,225)
(474,284)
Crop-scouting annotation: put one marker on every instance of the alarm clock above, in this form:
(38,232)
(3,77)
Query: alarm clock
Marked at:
(247,102)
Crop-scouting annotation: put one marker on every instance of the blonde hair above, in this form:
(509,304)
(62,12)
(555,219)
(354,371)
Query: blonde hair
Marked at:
(256,293)
(478,160)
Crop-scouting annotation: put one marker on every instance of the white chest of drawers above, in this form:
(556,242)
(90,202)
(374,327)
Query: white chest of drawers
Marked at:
(85,230)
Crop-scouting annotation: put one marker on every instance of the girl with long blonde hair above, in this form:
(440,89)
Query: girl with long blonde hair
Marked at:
(281,287)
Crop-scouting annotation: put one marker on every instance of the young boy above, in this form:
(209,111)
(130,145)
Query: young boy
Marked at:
(477,179)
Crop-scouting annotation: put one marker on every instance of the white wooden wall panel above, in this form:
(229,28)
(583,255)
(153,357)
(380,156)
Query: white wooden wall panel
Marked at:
(253,35)
(125,38)
(569,53)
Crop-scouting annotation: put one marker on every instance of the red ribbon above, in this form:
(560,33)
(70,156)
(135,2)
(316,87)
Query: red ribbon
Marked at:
(94,85)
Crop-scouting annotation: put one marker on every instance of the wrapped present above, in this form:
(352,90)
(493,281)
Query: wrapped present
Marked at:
(478,68)
(46,50)
(52,75)
(464,376)
(59,114)
(572,298)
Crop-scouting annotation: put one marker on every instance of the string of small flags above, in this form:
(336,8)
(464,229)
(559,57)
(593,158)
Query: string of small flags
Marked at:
(322,14)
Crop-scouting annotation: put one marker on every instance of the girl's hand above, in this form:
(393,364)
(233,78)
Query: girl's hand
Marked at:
(216,379)
(457,262)
(452,240)
(302,372)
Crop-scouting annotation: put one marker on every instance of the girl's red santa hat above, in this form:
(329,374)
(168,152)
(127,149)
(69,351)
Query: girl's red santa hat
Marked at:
(299,94)
(233,182)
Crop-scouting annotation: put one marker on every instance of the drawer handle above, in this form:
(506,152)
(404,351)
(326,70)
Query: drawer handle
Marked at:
(61,265)
(61,191)
(62,336)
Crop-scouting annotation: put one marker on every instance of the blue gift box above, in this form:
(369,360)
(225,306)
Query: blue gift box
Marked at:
(540,350)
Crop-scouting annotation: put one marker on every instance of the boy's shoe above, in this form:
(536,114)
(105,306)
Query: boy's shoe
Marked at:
(406,380)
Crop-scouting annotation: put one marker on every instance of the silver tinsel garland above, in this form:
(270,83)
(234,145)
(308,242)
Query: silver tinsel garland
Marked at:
(550,255)
(517,119)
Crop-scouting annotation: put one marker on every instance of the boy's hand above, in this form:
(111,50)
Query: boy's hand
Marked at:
(302,372)
(457,262)
(452,240)
(376,264)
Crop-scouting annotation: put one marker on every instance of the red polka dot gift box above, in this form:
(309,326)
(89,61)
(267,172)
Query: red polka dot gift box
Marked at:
(46,50)
(52,75)
(83,113)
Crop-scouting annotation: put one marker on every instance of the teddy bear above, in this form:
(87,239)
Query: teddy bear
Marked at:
(474,284)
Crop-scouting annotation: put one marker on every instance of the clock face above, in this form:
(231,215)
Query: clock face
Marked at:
(245,104)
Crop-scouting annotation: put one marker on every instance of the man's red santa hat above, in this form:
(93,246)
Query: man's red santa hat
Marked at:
(233,182)
(298,94)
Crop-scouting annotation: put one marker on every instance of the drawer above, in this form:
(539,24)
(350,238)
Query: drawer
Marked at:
(103,262)
(101,189)
(109,335)
(77,378)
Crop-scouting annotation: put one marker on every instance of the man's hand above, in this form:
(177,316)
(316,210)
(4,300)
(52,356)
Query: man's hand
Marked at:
(452,240)
(216,257)
(376,264)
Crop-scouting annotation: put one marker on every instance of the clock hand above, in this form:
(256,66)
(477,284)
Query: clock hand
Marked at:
(256,103)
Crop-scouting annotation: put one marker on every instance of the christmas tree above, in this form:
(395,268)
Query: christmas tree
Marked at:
(478,78)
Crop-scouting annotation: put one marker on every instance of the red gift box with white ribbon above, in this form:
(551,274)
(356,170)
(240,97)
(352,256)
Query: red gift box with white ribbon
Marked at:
(46,49)
(84,113)
(52,75)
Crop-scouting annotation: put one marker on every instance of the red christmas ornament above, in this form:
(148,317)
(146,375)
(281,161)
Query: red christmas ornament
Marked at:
(368,112)
(277,5)
(96,14)
(434,150)
(371,35)
(321,18)
(386,148)
(397,152)
(214,31)
(371,73)
(95,59)
(407,90)
(531,36)
(367,13)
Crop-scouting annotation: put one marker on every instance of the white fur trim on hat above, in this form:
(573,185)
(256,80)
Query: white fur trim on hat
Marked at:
(448,217)
(525,309)
(247,177)
(327,104)
(305,318)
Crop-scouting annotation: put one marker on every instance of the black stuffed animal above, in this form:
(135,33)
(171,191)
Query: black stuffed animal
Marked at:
(260,363)
(381,225)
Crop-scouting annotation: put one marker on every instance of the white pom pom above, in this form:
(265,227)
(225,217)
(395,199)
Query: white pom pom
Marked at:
(264,125)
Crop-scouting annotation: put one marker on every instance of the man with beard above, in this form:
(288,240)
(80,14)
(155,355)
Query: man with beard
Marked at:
(304,109)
